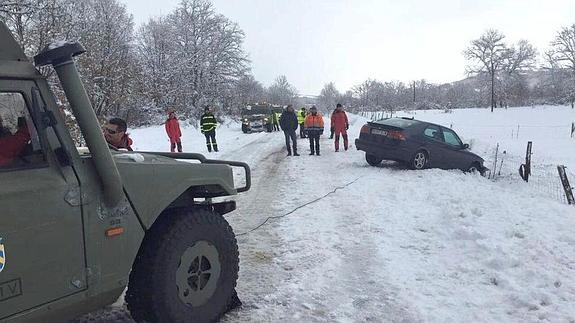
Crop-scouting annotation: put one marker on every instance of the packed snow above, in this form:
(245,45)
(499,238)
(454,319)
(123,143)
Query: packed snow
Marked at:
(355,243)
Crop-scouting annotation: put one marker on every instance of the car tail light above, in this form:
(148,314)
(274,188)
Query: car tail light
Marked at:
(364,129)
(397,135)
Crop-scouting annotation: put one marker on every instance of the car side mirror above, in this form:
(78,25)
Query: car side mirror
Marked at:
(465,146)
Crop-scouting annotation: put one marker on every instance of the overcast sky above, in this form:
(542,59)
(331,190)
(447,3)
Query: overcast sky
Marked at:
(314,42)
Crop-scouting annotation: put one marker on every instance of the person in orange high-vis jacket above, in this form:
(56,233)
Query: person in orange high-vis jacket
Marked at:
(314,128)
(173,131)
(340,125)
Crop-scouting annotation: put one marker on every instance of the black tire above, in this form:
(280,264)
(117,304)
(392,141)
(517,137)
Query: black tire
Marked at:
(420,160)
(244,129)
(372,159)
(476,168)
(173,257)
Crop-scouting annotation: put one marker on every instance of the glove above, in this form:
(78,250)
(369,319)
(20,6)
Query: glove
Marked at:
(321,132)
(347,126)
(331,129)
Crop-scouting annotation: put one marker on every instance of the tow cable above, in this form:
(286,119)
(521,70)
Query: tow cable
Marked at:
(299,207)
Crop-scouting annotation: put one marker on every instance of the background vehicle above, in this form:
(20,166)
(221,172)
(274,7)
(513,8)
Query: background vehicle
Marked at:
(77,228)
(416,143)
(257,117)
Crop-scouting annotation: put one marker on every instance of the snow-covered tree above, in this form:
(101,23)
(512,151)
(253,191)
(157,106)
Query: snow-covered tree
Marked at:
(328,97)
(281,91)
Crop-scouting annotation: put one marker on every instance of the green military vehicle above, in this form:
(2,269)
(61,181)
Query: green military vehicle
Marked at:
(257,118)
(77,228)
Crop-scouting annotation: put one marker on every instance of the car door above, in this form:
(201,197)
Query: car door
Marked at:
(456,156)
(435,145)
(41,236)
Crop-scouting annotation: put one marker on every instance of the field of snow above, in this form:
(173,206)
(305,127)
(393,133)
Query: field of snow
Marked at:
(354,243)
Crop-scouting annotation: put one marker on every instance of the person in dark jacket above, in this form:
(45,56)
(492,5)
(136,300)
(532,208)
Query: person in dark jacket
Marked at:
(314,128)
(340,125)
(208,124)
(115,134)
(289,124)
(173,131)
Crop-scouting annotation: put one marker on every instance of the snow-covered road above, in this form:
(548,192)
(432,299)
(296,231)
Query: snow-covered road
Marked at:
(388,244)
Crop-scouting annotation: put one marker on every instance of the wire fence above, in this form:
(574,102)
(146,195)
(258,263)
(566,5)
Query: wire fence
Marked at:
(543,179)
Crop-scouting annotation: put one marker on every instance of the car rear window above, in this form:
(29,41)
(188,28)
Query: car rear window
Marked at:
(397,122)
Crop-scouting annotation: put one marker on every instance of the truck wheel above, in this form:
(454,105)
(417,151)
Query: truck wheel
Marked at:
(186,269)
(419,160)
(372,159)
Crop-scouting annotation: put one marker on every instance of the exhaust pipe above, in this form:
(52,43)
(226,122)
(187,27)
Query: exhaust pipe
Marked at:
(60,57)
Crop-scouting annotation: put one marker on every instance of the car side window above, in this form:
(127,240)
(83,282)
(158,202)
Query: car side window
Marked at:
(451,138)
(433,132)
(19,143)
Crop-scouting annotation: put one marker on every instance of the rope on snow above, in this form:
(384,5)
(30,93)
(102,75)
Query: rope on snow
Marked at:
(299,207)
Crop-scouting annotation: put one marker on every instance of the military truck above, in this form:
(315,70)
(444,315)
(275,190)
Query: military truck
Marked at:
(257,118)
(77,228)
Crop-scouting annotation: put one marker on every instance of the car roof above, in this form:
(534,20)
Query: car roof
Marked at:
(398,122)
(404,122)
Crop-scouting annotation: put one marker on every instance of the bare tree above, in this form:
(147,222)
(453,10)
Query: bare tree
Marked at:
(562,55)
(328,97)
(487,55)
(281,91)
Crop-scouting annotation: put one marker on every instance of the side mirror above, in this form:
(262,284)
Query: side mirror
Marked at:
(465,146)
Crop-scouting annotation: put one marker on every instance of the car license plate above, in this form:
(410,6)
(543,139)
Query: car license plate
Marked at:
(257,123)
(379,132)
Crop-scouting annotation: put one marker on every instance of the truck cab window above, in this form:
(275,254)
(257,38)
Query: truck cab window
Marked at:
(19,142)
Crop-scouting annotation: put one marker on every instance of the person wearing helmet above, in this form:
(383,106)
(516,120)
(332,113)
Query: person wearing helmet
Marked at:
(314,128)
(173,131)
(208,123)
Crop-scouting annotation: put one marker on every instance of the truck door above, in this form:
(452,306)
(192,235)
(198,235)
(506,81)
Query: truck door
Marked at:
(41,236)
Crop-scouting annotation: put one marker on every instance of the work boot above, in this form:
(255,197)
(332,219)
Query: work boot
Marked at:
(317,154)
(295,154)
(311,154)
(289,153)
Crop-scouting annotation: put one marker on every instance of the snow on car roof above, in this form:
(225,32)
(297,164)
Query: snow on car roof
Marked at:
(398,122)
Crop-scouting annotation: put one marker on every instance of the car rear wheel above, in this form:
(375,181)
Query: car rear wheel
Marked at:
(419,160)
(475,169)
(372,159)
(186,269)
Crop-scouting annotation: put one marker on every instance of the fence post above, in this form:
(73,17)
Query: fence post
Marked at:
(525,169)
(572,129)
(566,186)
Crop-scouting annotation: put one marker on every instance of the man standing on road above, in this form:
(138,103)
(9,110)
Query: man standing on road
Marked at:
(340,124)
(314,129)
(275,121)
(289,123)
(173,131)
(301,119)
(331,129)
(208,124)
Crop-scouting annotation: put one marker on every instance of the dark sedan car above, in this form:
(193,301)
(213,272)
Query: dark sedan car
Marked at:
(416,143)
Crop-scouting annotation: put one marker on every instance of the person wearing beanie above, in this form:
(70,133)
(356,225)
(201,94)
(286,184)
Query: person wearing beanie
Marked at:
(340,124)
(314,128)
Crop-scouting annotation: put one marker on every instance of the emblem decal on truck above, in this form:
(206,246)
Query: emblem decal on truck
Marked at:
(2,256)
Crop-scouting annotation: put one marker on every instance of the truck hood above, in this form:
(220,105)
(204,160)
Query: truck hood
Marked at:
(153,182)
